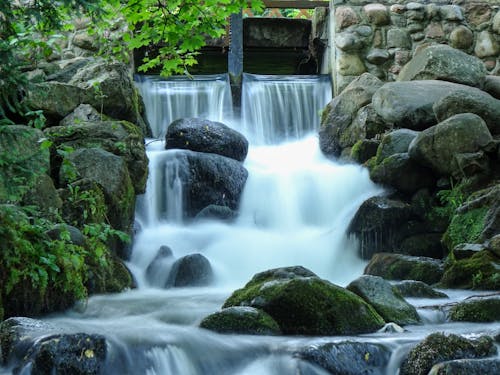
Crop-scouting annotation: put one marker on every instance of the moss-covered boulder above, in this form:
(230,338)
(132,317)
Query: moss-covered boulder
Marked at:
(395,142)
(303,304)
(467,366)
(242,320)
(484,309)
(349,357)
(23,159)
(363,150)
(417,289)
(403,267)
(386,299)
(439,347)
(479,272)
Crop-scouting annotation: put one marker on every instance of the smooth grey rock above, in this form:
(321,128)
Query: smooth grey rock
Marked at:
(190,270)
(395,142)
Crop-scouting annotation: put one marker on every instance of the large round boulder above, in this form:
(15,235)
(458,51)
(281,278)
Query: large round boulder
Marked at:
(395,142)
(439,146)
(306,305)
(340,112)
(404,267)
(442,62)
(243,320)
(386,299)
(348,357)
(439,347)
(190,270)
(209,179)
(206,136)
(470,101)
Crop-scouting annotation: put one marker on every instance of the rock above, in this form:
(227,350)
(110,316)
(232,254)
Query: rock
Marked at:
(43,195)
(109,171)
(206,136)
(417,289)
(479,272)
(83,40)
(492,85)
(395,142)
(367,124)
(462,38)
(349,42)
(438,146)
(24,161)
(350,64)
(68,69)
(467,250)
(345,17)
(467,366)
(402,173)
(404,267)
(302,304)
(391,328)
(377,56)
(242,320)
(341,111)
(486,45)
(442,62)
(118,137)
(377,14)
(348,357)
(190,270)
(469,101)
(82,113)
(209,179)
(439,347)
(109,87)
(385,299)
(364,150)
(398,38)
(493,245)
(216,212)
(378,225)
(157,271)
(423,244)
(480,309)
(409,104)
(75,235)
(451,13)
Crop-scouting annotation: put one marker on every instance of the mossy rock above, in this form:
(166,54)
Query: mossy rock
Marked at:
(478,272)
(363,150)
(403,267)
(110,275)
(465,227)
(439,347)
(417,289)
(477,310)
(307,305)
(242,320)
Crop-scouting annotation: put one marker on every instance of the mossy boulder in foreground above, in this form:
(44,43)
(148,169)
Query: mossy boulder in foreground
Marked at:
(303,304)
(476,310)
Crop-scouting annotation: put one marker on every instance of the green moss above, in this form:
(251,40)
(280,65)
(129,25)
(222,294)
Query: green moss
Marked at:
(465,227)
(482,310)
(242,320)
(479,272)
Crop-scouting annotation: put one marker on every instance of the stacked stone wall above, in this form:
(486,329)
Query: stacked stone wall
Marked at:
(381,37)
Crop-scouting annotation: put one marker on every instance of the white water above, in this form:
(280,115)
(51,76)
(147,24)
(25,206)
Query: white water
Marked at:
(294,211)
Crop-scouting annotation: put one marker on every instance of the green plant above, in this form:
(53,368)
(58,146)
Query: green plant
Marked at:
(99,96)
(68,169)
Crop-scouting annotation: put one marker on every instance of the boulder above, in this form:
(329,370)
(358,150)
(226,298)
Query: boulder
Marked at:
(378,224)
(467,366)
(75,235)
(206,136)
(68,68)
(442,62)
(479,271)
(242,320)
(364,150)
(402,173)
(479,310)
(209,179)
(492,85)
(190,270)
(470,101)
(157,270)
(339,113)
(493,245)
(82,113)
(23,159)
(367,124)
(423,244)
(348,357)
(43,194)
(395,142)
(417,289)
(439,347)
(439,146)
(405,267)
(121,138)
(27,346)
(302,304)
(386,299)
(109,171)
(409,104)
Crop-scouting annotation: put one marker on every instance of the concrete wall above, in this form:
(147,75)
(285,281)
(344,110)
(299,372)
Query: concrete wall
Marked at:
(380,37)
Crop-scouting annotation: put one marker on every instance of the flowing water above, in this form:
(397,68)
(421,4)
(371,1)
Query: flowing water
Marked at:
(294,211)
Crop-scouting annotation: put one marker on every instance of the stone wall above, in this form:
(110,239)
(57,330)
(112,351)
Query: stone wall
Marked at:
(380,37)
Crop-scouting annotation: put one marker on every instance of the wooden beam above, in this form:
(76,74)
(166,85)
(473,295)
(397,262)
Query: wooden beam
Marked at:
(299,4)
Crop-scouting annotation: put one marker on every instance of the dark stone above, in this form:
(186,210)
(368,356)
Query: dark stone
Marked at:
(467,366)
(190,270)
(243,320)
(70,68)
(480,310)
(396,142)
(364,150)
(439,347)
(348,358)
(404,267)
(206,136)
(157,270)
(386,300)
(75,235)
(423,244)
(417,289)
(276,32)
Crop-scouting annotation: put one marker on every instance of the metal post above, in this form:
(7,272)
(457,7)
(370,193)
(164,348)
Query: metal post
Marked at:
(235,57)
